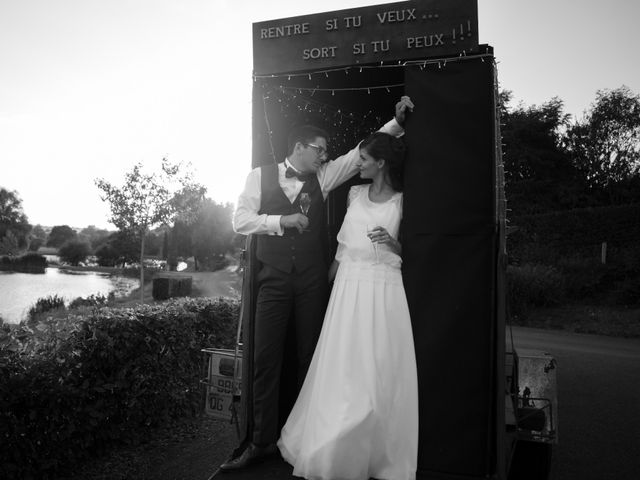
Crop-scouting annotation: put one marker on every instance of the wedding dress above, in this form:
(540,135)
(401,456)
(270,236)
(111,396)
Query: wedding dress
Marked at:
(356,416)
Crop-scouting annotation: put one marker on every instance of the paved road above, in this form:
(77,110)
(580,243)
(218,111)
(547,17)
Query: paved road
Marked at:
(598,400)
(598,407)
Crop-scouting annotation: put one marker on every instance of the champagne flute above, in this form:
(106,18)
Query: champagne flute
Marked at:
(370,228)
(305,204)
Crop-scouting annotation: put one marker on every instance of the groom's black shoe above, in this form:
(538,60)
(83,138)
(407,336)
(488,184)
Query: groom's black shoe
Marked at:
(252,454)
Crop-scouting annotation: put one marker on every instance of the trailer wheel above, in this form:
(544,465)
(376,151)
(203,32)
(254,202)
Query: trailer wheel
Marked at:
(530,461)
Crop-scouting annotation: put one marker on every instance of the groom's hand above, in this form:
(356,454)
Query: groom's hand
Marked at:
(297,220)
(405,104)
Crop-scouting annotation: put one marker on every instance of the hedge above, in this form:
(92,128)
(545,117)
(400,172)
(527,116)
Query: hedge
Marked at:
(70,388)
(580,232)
(530,286)
(573,281)
(27,263)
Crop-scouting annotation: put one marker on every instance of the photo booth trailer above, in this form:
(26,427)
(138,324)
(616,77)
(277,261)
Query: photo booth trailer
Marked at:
(344,71)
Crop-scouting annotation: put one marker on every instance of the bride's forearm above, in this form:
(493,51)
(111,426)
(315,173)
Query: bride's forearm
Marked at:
(396,246)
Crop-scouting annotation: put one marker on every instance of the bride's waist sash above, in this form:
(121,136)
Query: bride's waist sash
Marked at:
(366,271)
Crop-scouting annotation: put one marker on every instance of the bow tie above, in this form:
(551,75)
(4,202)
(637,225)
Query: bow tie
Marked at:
(303,177)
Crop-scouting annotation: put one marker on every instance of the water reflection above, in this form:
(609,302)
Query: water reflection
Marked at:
(19,291)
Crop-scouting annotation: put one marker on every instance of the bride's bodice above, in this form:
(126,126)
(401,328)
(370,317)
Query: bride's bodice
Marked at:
(353,243)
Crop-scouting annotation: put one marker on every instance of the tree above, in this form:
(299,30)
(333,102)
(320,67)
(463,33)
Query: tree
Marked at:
(35,244)
(12,220)
(533,138)
(126,244)
(538,170)
(212,235)
(74,251)
(165,245)
(95,236)
(106,255)
(153,243)
(9,244)
(605,144)
(38,232)
(148,200)
(61,234)
(120,248)
(180,241)
(37,238)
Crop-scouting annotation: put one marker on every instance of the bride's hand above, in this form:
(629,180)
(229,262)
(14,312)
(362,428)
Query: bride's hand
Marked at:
(381,235)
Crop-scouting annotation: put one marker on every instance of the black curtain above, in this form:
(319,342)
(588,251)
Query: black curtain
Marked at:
(449,249)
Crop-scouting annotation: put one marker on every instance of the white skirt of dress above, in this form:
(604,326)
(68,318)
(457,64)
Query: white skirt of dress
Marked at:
(357,413)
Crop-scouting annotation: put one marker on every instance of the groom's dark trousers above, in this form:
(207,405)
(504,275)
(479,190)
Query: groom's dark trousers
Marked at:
(292,293)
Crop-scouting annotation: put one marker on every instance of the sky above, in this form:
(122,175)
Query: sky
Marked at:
(88,88)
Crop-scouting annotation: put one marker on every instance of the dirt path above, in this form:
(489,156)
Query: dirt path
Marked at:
(222,283)
(190,450)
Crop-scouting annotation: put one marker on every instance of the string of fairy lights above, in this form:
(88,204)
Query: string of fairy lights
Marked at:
(346,126)
(423,63)
(291,102)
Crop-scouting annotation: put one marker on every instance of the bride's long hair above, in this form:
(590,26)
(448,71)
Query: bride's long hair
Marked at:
(382,146)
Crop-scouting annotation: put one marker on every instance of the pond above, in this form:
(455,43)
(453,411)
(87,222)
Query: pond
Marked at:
(19,291)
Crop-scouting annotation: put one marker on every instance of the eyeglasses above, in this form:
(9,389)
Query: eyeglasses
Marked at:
(320,150)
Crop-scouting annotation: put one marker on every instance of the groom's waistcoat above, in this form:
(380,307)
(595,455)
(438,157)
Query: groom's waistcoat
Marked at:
(293,249)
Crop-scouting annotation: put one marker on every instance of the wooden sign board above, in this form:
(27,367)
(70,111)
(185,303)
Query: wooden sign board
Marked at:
(381,33)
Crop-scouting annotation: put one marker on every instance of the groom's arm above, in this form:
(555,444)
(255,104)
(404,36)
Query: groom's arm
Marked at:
(335,173)
(246,219)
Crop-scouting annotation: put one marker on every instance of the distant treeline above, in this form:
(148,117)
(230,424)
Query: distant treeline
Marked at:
(28,263)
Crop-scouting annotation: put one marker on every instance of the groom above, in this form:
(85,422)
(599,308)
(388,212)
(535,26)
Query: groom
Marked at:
(292,277)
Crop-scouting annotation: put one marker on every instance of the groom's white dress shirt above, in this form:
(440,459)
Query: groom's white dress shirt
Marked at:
(246,219)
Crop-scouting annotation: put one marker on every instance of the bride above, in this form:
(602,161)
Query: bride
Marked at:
(357,414)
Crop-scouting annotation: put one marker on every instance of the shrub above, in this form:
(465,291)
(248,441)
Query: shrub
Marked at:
(72,387)
(98,300)
(584,278)
(46,304)
(627,292)
(615,282)
(532,286)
